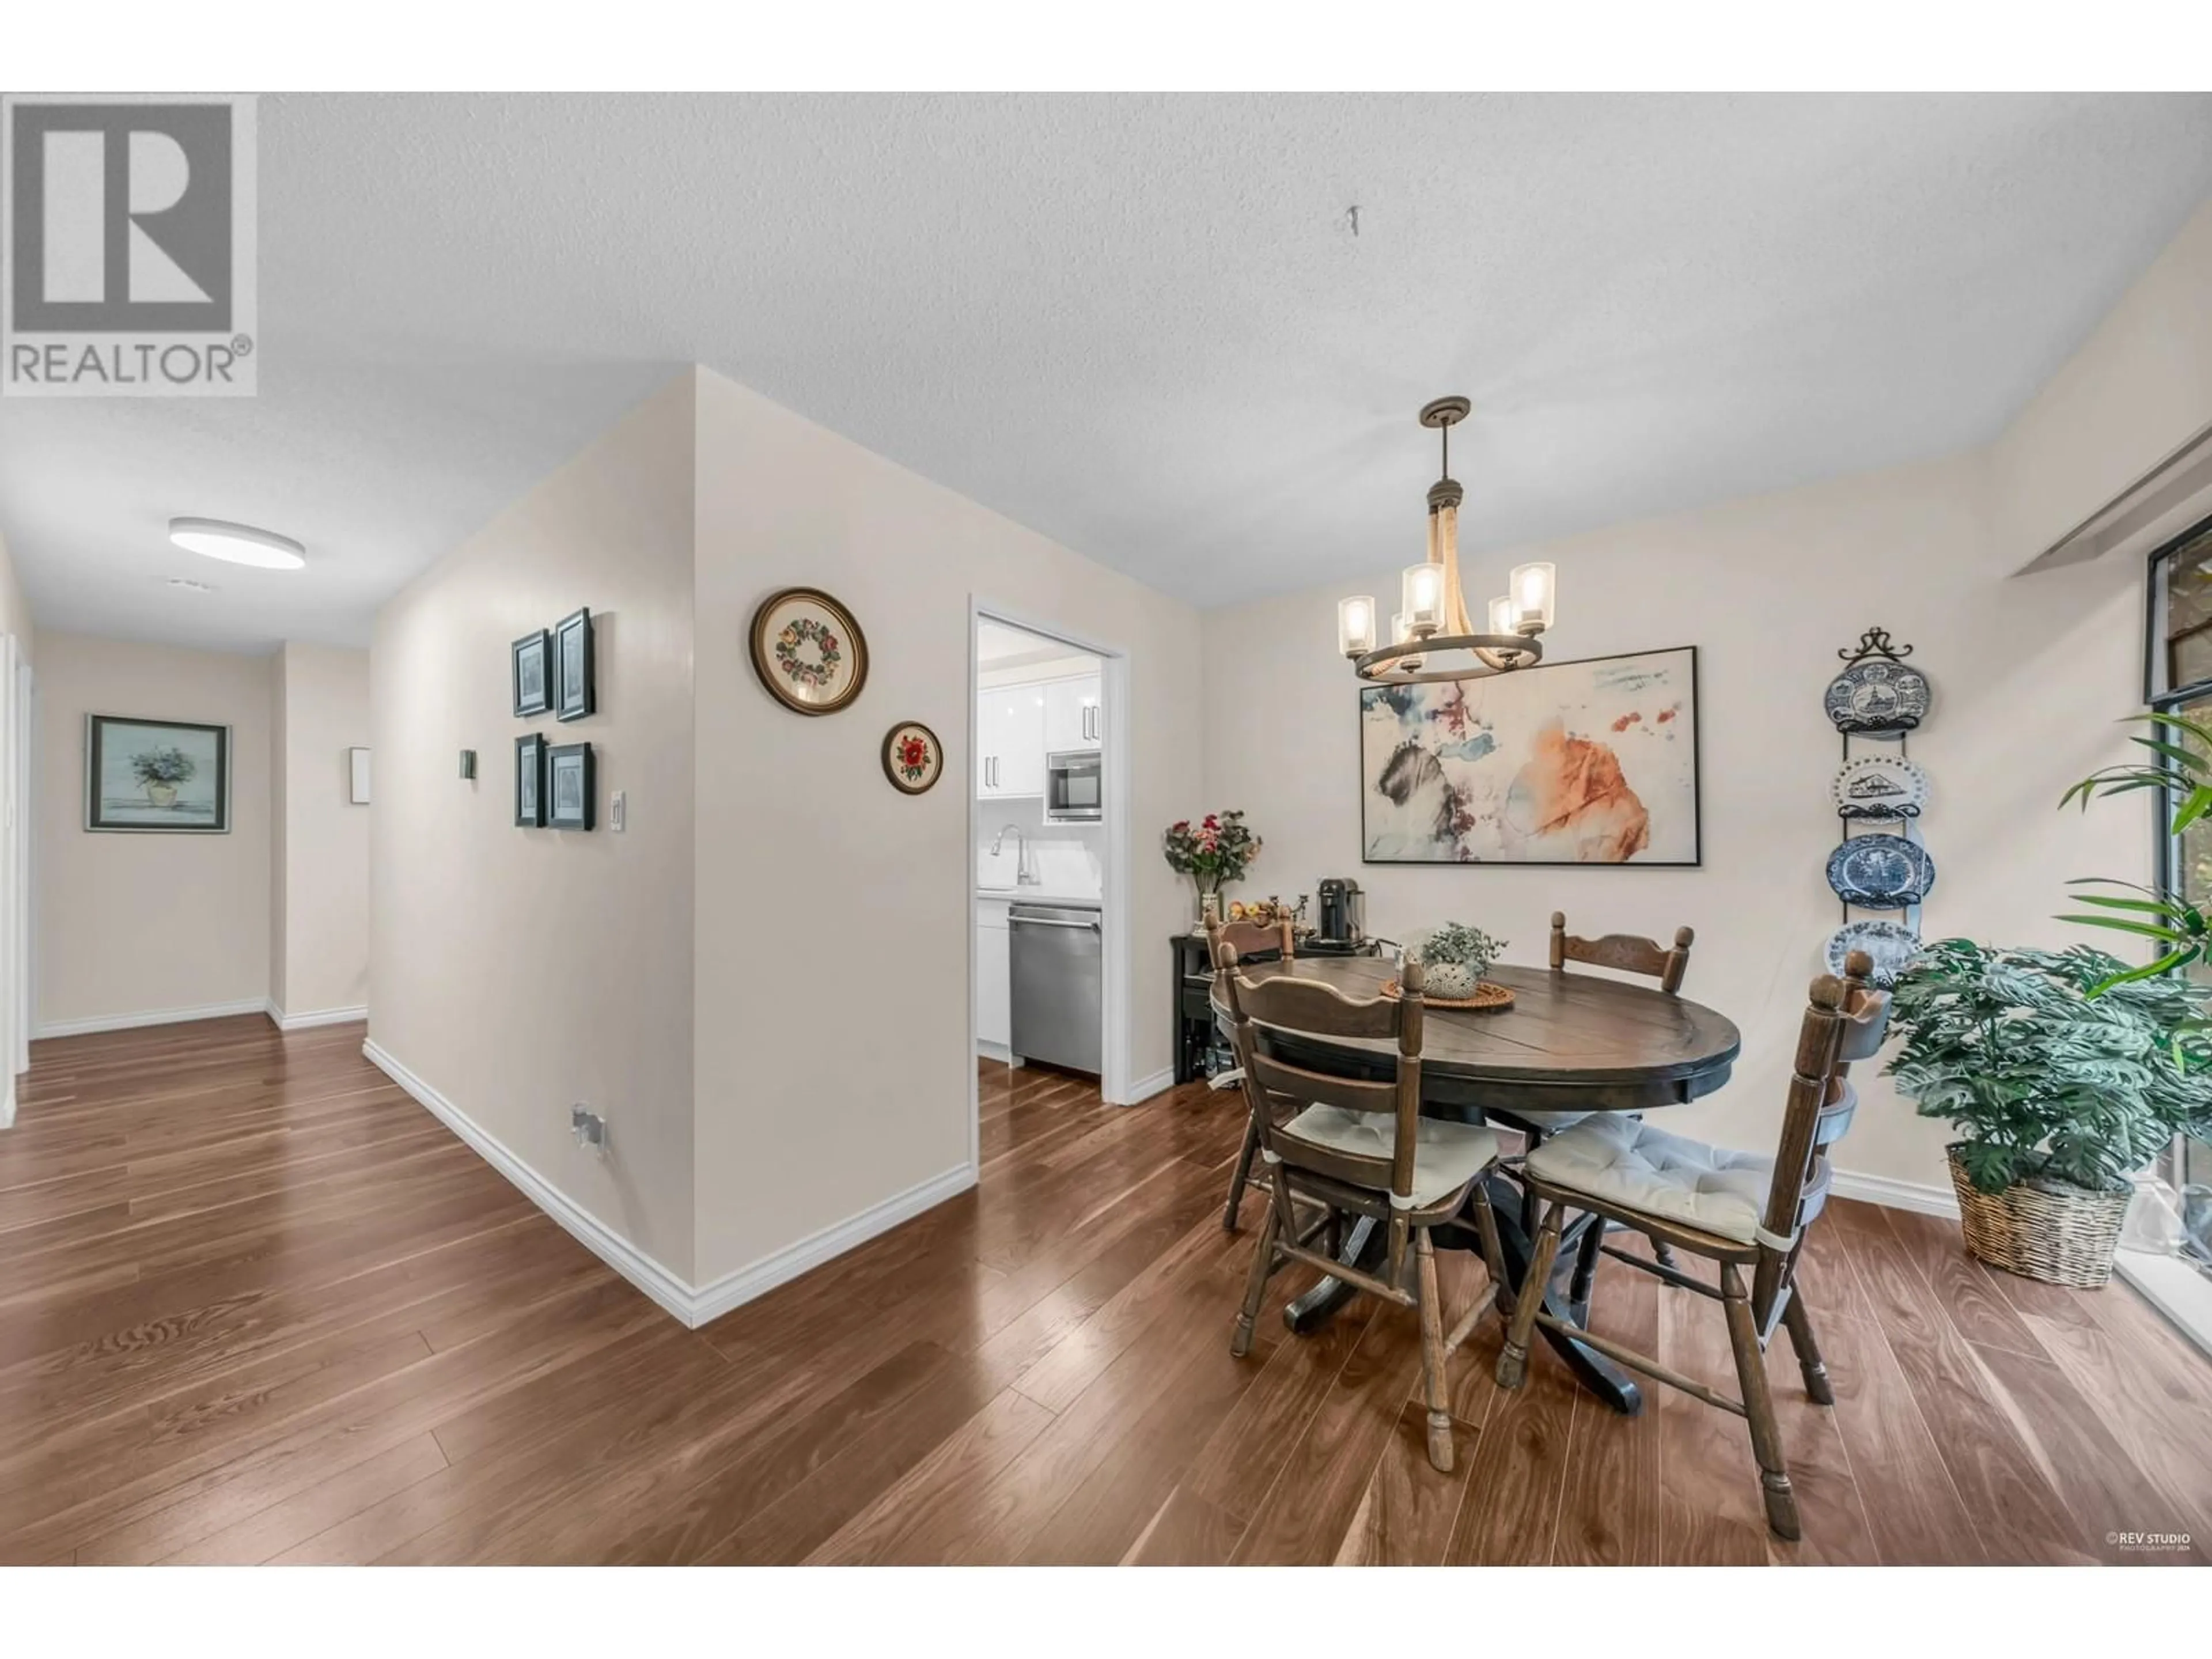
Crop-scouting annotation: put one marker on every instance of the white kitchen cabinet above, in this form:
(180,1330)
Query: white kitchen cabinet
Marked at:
(1010,741)
(994,1006)
(1071,714)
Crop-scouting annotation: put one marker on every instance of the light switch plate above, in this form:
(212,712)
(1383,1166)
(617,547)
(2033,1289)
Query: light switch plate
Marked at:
(618,814)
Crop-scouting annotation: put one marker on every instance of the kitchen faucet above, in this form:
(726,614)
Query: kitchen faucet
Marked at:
(1023,875)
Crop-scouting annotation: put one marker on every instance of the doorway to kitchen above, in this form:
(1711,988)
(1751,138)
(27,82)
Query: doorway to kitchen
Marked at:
(1047,828)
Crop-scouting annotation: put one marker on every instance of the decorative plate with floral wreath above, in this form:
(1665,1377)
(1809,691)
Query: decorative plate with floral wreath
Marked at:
(913,758)
(808,651)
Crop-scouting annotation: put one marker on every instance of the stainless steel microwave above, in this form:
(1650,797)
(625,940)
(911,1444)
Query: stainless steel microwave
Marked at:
(1073,790)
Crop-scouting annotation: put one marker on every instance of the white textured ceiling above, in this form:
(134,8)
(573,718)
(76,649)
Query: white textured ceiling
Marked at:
(1140,325)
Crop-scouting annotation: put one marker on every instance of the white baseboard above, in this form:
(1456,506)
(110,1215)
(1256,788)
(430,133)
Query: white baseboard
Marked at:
(1145,1087)
(55,1028)
(694,1305)
(1896,1195)
(735,1288)
(285,1022)
(2176,1288)
(617,1252)
(8,1106)
(986,1049)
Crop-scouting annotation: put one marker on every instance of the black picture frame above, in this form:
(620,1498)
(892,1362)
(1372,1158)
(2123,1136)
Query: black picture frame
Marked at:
(563,760)
(530,782)
(105,735)
(574,696)
(532,647)
(1697,782)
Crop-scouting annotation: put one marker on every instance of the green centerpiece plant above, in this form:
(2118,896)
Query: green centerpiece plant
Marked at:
(1453,958)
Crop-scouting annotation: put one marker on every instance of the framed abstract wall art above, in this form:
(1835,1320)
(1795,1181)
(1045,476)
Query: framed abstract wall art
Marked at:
(1571,762)
(156,776)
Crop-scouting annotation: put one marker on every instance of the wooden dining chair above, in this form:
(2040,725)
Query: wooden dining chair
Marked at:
(1359,1145)
(1253,941)
(1707,1201)
(1625,953)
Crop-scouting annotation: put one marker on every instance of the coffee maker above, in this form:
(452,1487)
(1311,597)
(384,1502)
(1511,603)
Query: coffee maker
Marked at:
(1343,921)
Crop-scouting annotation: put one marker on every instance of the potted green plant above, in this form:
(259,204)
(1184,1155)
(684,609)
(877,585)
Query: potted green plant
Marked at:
(159,771)
(1216,851)
(2179,929)
(1453,958)
(2065,1073)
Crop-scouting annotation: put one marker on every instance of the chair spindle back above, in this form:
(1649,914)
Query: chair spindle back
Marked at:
(1277,1090)
(1250,939)
(1845,1023)
(1625,952)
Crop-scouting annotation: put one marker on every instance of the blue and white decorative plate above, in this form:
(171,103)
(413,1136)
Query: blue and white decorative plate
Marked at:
(1878,699)
(1891,944)
(1880,873)
(1880,787)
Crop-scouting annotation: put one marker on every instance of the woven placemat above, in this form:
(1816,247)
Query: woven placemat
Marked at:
(1486,995)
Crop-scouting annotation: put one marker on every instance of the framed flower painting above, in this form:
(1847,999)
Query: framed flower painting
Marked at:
(914,760)
(808,651)
(149,775)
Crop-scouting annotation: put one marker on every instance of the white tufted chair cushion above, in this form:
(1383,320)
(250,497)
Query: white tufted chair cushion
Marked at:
(1637,1167)
(1446,1155)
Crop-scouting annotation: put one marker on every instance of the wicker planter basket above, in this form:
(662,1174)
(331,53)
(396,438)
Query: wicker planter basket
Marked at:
(2062,1236)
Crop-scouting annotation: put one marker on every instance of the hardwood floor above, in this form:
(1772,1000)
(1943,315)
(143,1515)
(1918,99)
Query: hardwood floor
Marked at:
(257,1305)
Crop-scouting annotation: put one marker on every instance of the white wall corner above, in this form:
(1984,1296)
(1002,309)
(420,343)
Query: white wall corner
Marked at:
(1145,1087)
(664,1287)
(694,1305)
(285,1022)
(735,1288)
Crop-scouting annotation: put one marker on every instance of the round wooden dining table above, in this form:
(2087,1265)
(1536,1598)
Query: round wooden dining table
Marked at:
(1571,1041)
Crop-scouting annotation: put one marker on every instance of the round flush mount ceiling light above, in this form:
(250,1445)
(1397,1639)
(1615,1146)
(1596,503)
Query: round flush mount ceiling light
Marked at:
(238,544)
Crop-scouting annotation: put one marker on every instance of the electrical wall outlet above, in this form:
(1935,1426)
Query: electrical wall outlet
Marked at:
(618,812)
(589,1128)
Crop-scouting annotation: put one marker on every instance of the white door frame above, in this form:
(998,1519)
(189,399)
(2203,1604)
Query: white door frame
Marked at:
(14,872)
(26,842)
(1115,965)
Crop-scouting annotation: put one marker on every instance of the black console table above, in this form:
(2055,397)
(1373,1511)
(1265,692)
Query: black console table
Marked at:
(1192,983)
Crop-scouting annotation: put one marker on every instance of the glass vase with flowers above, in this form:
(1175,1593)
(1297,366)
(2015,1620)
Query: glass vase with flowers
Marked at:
(1213,851)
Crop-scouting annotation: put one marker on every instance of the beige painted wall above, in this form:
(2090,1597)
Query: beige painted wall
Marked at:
(321,906)
(138,924)
(15,609)
(833,930)
(2137,389)
(2029,675)
(520,970)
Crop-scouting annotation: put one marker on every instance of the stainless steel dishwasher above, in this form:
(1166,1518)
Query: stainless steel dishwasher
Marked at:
(1055,973)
